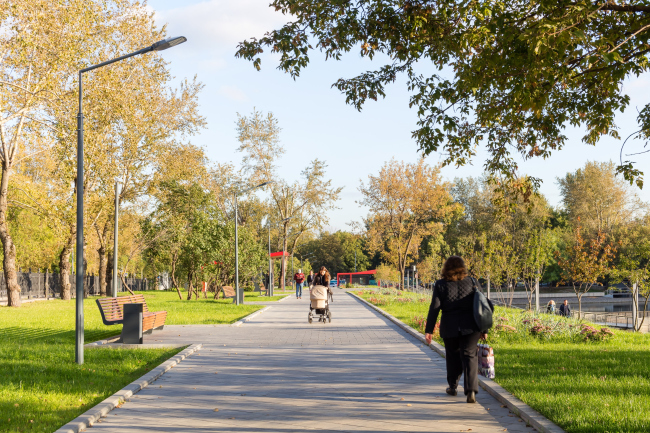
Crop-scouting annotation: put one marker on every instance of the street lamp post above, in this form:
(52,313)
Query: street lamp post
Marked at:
(114,289)
(238,193)
(269,289)
(79,325)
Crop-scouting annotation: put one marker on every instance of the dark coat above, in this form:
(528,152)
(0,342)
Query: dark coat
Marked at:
(310,279)
(565,310)
(321,280)
(456,301)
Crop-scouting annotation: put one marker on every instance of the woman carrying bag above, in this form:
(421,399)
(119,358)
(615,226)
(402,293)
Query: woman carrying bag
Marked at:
(454,294)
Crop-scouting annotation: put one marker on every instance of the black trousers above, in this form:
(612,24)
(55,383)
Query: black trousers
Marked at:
(462,357)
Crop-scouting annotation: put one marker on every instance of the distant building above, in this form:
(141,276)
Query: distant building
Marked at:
(365,278)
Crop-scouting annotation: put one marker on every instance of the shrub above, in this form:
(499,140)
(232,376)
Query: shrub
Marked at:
(377,301)
(590,333)
(506,328)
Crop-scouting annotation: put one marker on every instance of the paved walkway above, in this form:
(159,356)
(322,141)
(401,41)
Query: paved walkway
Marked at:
(277,373)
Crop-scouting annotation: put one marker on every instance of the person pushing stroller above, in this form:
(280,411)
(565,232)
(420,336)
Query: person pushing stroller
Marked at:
(320,296)
(323,278)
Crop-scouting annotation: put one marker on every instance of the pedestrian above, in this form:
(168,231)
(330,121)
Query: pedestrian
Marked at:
(453,294)
(310,278)
(299,277)
(323,278)
(550,307)
(565,310)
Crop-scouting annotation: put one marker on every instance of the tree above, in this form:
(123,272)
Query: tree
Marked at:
(597,198)
(407,201)
(583,263)
(511,75)
(386,273)
(302,206)
(34,68)
(336,251)
(537,254)
(633,268)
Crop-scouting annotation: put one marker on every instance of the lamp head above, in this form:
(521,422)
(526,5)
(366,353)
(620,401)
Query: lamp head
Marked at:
(168,43)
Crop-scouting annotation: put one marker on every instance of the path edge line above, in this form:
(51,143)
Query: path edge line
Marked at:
(251,316)
(518,407)
(92,415)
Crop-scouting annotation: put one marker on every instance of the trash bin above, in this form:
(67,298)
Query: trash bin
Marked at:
(132,324)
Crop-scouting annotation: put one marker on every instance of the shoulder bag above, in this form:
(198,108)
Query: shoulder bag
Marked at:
(483,309)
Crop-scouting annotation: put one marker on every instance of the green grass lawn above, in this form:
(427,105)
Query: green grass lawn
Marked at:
(582,386)
(200,311)
(41,387)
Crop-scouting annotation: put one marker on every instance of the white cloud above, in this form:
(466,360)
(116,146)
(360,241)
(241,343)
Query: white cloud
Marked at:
(233,93)
(215,25)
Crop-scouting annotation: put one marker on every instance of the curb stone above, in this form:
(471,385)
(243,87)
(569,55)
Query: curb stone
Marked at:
(102,342)
(516,406)
(88,418)
(250,316)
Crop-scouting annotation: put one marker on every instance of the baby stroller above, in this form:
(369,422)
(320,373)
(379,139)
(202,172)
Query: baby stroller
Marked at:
(319,306)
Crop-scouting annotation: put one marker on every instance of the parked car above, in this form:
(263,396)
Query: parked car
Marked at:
(333,283)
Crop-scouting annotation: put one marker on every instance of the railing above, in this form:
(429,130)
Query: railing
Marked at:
(37,285)
(619,320)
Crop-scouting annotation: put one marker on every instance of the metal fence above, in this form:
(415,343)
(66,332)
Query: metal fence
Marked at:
(37,285)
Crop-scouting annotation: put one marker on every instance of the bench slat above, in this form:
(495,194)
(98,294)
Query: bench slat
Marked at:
(112,311)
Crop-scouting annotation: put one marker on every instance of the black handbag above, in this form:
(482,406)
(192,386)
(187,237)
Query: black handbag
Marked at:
(483,309)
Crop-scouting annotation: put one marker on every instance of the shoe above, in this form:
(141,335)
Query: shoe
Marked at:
(471,397)
(451,391)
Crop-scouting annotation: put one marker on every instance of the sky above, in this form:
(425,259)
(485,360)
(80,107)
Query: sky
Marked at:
(315,121)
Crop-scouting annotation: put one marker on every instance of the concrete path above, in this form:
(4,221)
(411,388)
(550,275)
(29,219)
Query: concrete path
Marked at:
(277,373)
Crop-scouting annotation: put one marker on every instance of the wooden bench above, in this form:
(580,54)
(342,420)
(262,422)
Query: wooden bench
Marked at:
(112,311)
(228,292)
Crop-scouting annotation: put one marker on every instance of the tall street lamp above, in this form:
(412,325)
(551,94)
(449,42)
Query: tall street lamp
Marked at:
(269,289)
(238,193)
(79,327)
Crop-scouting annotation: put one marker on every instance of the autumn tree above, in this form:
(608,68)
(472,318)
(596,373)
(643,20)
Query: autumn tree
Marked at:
(407,201)
(583,262)
(601,201)
(299,207)
(510,75)
(537,254)
(633,266)
(38,50)
(386,273)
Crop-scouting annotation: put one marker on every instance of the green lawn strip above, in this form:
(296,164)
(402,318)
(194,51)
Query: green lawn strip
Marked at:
(41,387)
(37,353)
(580,386)
(197,311)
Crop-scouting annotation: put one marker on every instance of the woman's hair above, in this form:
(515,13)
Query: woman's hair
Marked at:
(454,269)
(327,274)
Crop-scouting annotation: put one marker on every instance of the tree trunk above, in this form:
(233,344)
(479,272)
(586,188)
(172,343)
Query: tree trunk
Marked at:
(8,247)
(103,264)
(579,307)
(108,278)
(104,288)
(189,286)
(126,286)
(65,265)
(283,263)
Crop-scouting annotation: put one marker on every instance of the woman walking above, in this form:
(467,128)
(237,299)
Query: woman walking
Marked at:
(453,294)
(323,278)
